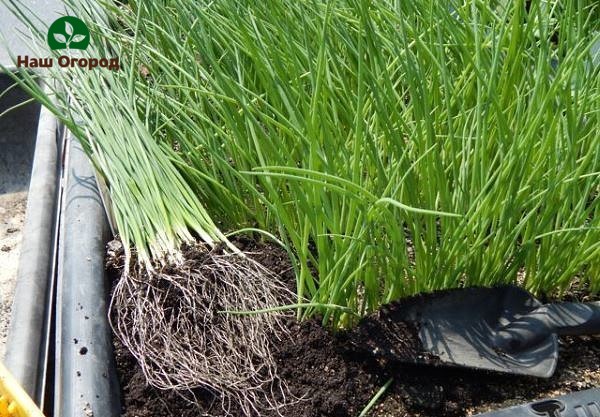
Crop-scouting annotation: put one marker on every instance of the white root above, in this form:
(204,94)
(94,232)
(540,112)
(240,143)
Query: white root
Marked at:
(171,319)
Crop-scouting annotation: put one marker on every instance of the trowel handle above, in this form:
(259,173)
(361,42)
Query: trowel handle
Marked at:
(535,326)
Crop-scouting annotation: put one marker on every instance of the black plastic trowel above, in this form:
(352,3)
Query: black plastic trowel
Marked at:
(503,329)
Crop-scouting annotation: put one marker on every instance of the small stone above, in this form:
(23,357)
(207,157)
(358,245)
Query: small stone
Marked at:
(12,230)
(5,248)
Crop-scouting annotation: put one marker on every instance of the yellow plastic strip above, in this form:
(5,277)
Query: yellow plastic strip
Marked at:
(14,401)
(3,406)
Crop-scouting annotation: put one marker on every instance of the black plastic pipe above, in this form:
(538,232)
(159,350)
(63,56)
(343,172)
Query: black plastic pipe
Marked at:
(86,382)
(26,342)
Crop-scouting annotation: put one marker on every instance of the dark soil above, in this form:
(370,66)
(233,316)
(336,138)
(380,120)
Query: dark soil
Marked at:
(336,375)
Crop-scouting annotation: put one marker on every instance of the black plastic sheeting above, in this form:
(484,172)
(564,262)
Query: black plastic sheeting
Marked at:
(86,382)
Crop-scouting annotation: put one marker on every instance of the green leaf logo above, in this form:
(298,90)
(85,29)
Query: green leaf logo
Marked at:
(68,32)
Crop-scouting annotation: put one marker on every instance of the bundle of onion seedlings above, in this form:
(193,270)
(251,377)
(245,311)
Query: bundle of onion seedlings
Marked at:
(180,274)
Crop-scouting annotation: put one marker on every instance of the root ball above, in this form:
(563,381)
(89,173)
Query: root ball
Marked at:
(172,320)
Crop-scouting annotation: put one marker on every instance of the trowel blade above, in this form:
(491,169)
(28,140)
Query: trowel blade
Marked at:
(457,328)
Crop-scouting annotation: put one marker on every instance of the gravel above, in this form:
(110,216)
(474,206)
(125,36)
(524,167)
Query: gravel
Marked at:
(12,216)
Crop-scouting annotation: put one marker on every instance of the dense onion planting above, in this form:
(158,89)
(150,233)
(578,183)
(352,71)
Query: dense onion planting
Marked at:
(392,147)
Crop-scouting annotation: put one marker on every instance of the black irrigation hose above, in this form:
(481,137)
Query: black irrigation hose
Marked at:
(86,382)
(26,343)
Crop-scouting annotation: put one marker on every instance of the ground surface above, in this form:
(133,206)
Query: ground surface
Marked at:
(12,216)
(330,377)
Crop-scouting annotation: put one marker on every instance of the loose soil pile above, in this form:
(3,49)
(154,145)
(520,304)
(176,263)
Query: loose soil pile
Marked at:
(330,375)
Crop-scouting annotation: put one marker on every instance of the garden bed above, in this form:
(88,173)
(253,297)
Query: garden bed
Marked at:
(333,379)
(387,156)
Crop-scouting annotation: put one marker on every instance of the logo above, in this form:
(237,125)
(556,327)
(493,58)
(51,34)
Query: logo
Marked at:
(550,408)
(68,32)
